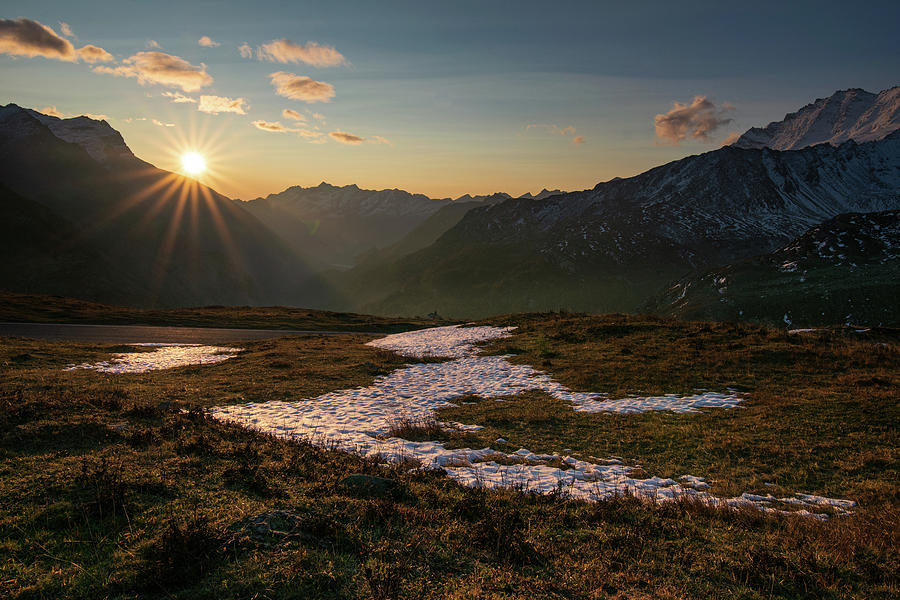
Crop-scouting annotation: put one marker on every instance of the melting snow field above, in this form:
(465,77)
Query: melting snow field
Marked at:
(166,356)
(359,420)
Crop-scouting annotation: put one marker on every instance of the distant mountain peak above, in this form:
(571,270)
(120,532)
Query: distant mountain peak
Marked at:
(851,114)
(103,143)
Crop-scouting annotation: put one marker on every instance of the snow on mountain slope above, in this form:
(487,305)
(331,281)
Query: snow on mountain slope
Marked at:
(853,114)
(610,248)
(845,270)
(329,201)
(98,138)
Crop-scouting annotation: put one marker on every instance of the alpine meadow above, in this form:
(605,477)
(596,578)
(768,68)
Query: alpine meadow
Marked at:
(283,313)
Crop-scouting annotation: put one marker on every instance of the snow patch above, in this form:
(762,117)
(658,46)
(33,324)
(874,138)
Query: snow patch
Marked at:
(168,356)
(359,420)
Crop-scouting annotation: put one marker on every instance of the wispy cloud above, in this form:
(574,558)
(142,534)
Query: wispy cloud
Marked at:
(272,126)
(94,54)
(285,51)
(294,115)
(161,124)
(25,37)
(179,98)
(219,104)
(314,137)
(698,120)
(161,69)
(54,112)
(245,50)
(300,87)
(732,138)
(355,140)
(208,42)
(557,130)
(551,128)
(346,138)
(153,44)
(66,30)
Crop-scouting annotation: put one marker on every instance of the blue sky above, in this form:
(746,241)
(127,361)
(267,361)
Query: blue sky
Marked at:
(443,93)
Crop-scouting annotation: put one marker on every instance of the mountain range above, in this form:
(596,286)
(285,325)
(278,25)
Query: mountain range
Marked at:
(609,248)
(107,226)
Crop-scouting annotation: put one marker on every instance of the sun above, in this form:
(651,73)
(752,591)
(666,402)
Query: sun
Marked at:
(193,163)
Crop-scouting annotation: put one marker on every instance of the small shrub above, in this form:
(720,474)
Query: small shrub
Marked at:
(415,430)
(104,489)
(249,474)
(182,554)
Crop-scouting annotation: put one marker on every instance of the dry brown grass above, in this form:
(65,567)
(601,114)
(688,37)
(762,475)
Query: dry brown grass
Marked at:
(109,489)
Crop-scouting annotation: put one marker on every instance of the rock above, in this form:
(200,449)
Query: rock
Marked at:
(270,528)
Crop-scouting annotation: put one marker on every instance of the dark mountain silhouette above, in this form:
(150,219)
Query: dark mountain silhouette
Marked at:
(182,241)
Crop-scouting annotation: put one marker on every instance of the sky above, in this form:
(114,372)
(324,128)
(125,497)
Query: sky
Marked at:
(439,98)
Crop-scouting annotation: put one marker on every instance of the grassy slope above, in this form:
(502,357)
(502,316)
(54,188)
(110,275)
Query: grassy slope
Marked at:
(56,309)
(106,491)
(762,292)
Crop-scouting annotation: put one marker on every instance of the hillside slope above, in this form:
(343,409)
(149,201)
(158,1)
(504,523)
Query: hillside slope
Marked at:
(846,270)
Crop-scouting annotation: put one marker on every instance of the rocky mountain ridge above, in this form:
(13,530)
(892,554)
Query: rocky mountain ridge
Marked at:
(853,114)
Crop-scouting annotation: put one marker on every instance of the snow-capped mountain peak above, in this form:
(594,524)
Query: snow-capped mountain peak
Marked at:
(98,138)
(852,114)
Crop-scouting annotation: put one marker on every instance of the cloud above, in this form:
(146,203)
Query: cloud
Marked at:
(732,138)
(698,120)
(293,114)
(208,42)
(161,69)
(153,44)
(24,37)
(245,50)
(179,98)
(94,54)
(346,138)
(286,51)
(550,128)
(313,135)
(220,104)
(161,124)
(557,130)
(66,30)
(273,126)
(300,87)
(377,139)
(319,116)
(54,112)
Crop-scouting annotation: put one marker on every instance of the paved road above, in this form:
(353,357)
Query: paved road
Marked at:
(132,334)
